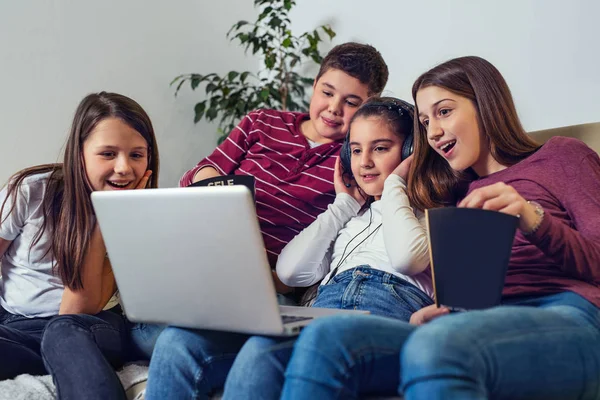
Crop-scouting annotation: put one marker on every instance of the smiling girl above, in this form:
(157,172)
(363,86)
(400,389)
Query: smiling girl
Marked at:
(54,261)
(542,341)
(370,247)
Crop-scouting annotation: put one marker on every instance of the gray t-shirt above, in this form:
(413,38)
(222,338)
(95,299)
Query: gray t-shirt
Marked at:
(28,287)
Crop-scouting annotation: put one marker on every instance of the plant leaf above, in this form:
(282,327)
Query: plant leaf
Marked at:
(211,114)
(195,81)
(211,87)
(199,111)
(264,94)
(179,86)
(176,79)
(328,31)
(231,75)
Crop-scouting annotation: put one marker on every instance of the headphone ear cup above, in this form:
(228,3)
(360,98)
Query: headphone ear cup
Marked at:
(345,158)
(407,147)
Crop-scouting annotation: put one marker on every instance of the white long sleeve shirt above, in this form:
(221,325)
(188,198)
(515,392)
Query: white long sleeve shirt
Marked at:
(399,246)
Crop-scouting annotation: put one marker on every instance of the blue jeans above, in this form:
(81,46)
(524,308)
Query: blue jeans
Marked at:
(81,353)
(20,339)
(536,348)
(190,363)
(142,338)
(257,372)
(380,293)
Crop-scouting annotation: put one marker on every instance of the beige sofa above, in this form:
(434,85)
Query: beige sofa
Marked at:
(588,133)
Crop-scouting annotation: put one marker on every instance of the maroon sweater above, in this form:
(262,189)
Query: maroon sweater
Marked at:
(564,253)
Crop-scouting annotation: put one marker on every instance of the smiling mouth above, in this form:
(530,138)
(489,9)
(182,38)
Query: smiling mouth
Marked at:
(369,177)
(448,146)
(118,185)
(330,122)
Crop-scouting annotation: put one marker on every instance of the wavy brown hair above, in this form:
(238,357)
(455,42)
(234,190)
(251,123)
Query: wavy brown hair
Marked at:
(68,212)
(432,183)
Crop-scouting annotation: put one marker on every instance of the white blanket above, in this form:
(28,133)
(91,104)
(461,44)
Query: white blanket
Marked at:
(28,387)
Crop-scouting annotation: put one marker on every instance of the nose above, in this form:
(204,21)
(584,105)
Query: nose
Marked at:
(122,165)
(434,131)
(335,106)
(365,159)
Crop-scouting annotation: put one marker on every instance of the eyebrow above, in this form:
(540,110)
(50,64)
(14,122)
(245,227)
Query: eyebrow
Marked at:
(435,105)
(116,148)
(376,141)
(330,86)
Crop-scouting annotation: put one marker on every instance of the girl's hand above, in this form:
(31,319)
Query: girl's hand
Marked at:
(427,314)
(402,169)
(144,181)
(340,185)
(504,198)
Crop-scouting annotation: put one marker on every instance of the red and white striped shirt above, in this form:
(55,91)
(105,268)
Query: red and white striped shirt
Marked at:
(294,182)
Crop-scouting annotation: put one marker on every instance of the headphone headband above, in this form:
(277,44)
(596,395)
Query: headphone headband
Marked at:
(398,105)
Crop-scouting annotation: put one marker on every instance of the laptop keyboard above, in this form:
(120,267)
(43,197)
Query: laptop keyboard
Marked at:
(286,319)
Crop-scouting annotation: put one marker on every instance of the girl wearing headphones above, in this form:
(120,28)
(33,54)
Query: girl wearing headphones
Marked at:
(369,247)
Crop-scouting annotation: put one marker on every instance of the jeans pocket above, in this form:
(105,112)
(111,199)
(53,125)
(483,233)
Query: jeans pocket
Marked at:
(409,295)
(340,277)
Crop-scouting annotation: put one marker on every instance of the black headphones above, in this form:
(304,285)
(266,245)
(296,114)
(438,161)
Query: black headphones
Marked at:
(405,110)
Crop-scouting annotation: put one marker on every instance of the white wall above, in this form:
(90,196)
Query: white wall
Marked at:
(54,52)
(547,50)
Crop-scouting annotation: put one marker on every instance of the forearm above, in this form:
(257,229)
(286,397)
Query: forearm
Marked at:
(305,259)
(405,235)
(205,173)
(576,249)
(578,256)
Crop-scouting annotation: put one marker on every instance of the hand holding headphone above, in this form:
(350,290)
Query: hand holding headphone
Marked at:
(342,186)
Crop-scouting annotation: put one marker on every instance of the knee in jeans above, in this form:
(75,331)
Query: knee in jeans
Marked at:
(332,334)
(60,327)
(257,362)
(432,345)
(255,349)
(172,340)
(58,335)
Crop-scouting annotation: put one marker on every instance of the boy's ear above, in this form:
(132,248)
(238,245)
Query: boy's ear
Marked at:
(314,84)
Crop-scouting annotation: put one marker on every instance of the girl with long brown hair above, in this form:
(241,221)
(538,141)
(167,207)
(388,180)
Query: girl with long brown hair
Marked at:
(56,275)
(542,341)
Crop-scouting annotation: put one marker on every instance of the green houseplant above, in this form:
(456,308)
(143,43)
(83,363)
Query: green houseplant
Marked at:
(277,85)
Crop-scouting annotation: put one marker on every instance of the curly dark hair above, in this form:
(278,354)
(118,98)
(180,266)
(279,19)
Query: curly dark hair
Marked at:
(360,61)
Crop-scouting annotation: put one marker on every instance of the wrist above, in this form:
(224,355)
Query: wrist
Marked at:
(538,219)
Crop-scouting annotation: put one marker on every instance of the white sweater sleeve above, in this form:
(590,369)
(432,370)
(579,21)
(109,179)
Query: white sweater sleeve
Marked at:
(306,259)
(404,233)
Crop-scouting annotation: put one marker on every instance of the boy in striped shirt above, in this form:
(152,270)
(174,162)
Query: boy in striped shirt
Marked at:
(292,154)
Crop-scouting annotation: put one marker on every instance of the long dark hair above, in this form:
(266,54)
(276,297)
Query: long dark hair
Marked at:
(67,209)
(432,183)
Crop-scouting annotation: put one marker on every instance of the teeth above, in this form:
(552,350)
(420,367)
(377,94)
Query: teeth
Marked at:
(444,147)
(118,184)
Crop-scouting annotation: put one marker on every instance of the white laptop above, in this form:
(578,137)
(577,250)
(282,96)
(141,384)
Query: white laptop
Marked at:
(194,257)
